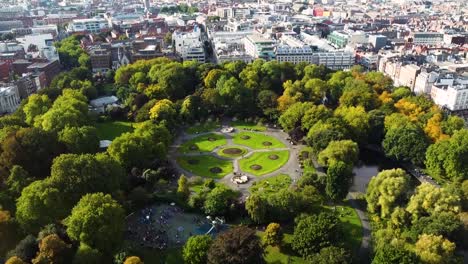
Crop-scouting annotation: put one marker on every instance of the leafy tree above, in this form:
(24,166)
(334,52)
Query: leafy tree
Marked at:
(164,110)
(132,150)
(446,224)
(95,219)
(394,254)
(267,100)
(331,255)
(314,232)
(429,200)
(80,139)
(37,105)
(339,176)
(183,189)
(322,133)
(25,250)
(358,93)
(357,121)
(52,249)
(406,144)
(238,245)
(447,159)
(343,150)
(75,175)
(218,200)
(434,249)
(17,180)
(376,126)
(40,203)
(15,260)
(8,232)
(196,248)
(315,114)
(256,207)
(452,124)
(291,118)
(273,235)
(87,255)
(133,260)
(387,190)
(30,148)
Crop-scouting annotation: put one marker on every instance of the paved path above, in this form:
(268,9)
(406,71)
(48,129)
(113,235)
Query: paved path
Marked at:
(292,166)
(364,250)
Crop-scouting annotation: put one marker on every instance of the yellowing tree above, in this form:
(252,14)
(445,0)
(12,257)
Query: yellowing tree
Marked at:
(412,110)
(434,249)
(433,128)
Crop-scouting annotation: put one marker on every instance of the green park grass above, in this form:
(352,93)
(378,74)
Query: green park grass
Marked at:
(271,185)
(111,129)
(204,164)
(222,152)
(262,158)
(283,254)
(242,125)
(168,256)
(203,143)
(256,140)
(204,127)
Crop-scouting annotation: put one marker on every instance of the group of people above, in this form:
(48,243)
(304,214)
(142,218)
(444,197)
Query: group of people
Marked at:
(150,227)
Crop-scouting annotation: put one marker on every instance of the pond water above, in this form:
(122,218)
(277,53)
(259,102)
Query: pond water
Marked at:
(369,165)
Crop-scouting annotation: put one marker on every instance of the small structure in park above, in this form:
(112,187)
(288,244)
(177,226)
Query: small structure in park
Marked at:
(227,129)
(240,179)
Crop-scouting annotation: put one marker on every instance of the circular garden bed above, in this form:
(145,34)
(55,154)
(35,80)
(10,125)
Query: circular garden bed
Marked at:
(256,167)
(245,137)
(216,170)
(193,147)
(273,157)
(232,151)
(193,161)
(212,139)
(267,143)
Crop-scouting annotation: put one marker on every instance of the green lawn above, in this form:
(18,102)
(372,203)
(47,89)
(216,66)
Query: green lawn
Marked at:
(262,158)
(112,129)
(168,256)
(205,127)
(351,226)
(283,255)
(271,185)
(257,140)
(203,143)
(242,125)
(204,164)
(231,155)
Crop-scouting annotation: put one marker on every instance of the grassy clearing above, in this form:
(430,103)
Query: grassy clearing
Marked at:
(283,254)
(351,226)
(112,129)
(271,185)
(256,140)
(224,152)
(205,127)
(263,159)
(169,256)
(242,125)
(204,164)
(203,143)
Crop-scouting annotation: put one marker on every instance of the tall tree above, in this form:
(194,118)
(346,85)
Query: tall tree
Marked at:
(196,248)
(339,176)
(346,151)
(52,249)
(434,249)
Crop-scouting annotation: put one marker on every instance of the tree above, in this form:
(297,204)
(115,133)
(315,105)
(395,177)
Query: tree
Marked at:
(273,235)
(168,38)
(80,139)
(95,219)
(445,224)
(331,255)
(87,255)
(434,249)
(25,250)
(314,232)
(196,248)
(268,101)
(52,249)
(183,189)
(164,110)
(75,175)
(315,114)
(322,133)
(256,207)
(238,245)
(291,118)
(406,144)
(357,121)
(40,203)
(17,180)
(358,93)
(218,200)
(391,254)
(133,260)
(30,148)
(346,151)
(37,105)
(339,176)
(447,159)
(387,190)
(15,260)
(8,232)
(429,200)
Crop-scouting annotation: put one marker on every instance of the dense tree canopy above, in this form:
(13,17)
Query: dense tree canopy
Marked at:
(196,249)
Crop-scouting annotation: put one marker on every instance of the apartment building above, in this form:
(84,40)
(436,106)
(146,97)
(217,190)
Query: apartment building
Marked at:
(259,47)
(189,45)
(450,91)
(9,99)
(88,25)
(427,38)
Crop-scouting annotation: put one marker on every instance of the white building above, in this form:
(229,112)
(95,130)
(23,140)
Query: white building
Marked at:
(9,99)
(336,60)
(91,25)
(428,38)
(424,82)
(189,45)
(229,46)
(259,47)
(450,92)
